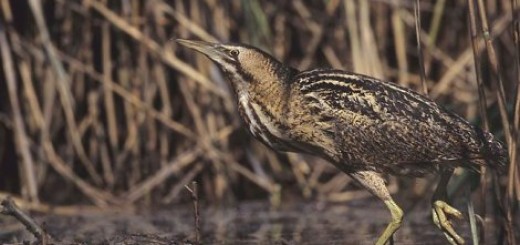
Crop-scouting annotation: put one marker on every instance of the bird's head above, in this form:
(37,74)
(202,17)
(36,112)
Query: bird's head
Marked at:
(242,64)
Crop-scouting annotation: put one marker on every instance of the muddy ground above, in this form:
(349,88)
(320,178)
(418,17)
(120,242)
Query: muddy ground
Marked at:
(355,222)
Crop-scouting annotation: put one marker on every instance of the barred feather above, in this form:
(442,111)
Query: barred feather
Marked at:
(382,127)
(356,122)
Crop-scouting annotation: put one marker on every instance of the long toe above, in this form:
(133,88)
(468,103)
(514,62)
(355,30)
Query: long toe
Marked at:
(440,212)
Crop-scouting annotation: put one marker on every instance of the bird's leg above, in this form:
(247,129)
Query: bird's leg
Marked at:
(441,209)
(374,183)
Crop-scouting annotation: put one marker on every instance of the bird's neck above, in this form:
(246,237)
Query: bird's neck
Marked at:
(268,86)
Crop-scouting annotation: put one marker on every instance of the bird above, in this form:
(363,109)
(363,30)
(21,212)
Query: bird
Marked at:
(365,127)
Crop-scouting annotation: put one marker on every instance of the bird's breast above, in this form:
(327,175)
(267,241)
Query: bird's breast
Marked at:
(261,123)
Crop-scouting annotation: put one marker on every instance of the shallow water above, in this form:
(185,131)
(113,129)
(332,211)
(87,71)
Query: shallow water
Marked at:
(358,222)
(355,222)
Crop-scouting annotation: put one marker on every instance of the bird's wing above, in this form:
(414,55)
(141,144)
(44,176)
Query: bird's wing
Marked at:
(376,122)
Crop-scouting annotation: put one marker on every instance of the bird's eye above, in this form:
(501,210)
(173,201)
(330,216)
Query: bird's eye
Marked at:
(234,52)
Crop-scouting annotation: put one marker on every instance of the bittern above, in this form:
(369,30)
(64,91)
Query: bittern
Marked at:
(364,126)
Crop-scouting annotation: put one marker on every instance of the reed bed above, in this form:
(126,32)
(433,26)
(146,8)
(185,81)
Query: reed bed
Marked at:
(100,106)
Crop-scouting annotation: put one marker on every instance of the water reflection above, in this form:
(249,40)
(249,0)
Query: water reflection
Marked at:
(355,222)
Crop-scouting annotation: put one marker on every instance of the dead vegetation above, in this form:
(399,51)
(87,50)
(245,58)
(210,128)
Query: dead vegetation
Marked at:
(99,106)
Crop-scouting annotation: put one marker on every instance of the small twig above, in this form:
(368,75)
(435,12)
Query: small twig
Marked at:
(195,197)
(187,177)
(10,208)
(175,166)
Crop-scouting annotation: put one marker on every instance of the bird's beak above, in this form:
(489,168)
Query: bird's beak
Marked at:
(212,50)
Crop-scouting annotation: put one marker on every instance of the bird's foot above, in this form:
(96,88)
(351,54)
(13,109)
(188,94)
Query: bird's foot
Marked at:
(440,212)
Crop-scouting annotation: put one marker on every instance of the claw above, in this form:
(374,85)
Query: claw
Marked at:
(440,211)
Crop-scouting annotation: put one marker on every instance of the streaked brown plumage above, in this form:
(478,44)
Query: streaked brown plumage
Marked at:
(364,126)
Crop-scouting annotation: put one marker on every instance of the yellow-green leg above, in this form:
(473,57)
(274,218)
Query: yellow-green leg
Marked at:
(374,183)
(441,209)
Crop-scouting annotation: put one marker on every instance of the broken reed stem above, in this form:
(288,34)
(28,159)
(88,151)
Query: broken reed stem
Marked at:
(147,185)
(183,182)
(11,209)
(194,192)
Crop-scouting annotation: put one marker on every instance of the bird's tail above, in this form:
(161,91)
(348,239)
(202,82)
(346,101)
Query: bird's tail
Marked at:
(496,153)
